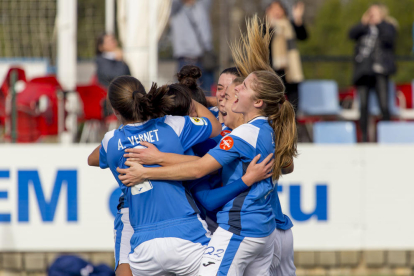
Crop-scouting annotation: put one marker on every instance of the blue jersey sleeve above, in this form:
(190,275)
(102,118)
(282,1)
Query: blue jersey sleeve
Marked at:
(212,199)
(103,161)
(190,130)
(230,148)
(214,110)
(196,130)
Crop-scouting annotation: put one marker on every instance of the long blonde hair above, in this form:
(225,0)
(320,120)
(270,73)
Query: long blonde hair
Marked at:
(251,52)
(251,56)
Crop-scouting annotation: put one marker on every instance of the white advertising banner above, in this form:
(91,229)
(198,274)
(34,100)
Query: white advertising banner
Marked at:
(338,197)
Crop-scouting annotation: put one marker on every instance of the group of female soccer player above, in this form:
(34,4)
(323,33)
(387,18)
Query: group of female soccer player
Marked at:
(183,177)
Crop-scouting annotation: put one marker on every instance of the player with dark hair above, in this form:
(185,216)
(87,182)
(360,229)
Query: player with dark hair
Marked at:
(244,242)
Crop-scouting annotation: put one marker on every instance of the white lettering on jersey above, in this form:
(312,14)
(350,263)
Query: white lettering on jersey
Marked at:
(148,136)
(156,133)
(120,146)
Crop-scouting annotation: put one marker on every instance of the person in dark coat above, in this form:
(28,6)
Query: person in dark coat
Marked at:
(284,55)
(109,60)
(374,59)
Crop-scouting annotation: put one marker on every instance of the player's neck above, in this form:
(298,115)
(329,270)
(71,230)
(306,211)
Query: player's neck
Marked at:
(250,116)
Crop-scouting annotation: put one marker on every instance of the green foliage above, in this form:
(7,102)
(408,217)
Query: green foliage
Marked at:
(91,23)
(328,36)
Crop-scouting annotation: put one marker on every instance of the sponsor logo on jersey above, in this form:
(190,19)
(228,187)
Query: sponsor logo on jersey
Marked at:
(197,121)
(141,187)
(226,143)
(225,132)
(209,263)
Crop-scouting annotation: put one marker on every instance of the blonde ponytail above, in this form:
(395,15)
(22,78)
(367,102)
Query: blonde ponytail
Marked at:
(284,125)
(251,56)
(251,52)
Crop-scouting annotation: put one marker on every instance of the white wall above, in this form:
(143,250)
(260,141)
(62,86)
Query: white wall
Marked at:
(369,198)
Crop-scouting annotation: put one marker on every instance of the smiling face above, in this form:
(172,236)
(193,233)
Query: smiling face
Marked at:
(230,119)
(223,82)
(246,102)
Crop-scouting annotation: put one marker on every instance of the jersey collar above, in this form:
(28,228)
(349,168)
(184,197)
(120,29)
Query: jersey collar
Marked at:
(138,124)
(258,118)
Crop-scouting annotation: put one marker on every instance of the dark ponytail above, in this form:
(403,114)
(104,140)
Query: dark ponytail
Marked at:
(161,100)
(182,100)
(188,76)
(127,95)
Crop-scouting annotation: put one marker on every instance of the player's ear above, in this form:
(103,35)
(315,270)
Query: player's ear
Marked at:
(258,103)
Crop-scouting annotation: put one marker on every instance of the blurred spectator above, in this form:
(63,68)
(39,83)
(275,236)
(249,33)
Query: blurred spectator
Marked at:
(284,55)
(374,59)
(191,37)
(109,60)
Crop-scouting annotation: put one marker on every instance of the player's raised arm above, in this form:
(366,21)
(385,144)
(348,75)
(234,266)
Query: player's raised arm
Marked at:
(202,111)
(93,158)
(151,156)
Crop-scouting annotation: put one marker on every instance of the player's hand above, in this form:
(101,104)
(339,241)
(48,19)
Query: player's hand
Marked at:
(146,156)
(257,172)
(133,175)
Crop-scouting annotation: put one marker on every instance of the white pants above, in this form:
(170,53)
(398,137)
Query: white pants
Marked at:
(122,235)
(166,256)
(282,264)
(231,254)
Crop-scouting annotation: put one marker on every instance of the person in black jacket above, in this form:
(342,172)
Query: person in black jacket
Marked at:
(284,55)
(374,59)
(109,60)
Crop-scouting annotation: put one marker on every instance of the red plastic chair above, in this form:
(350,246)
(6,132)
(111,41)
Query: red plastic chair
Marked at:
(48,122)
(93,98)
(406,90)
(5,88)
(32,123)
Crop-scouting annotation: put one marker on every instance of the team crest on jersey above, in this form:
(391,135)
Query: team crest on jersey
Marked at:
(225,132)
(227,143)
(197,121)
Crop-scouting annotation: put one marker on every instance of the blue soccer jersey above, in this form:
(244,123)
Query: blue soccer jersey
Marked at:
(283,222)
(203,148)
(158,208)
(215,111)
(250,214)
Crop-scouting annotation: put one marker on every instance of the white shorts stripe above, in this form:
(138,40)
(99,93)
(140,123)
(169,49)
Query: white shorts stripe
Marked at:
(230,254)
(126,235)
